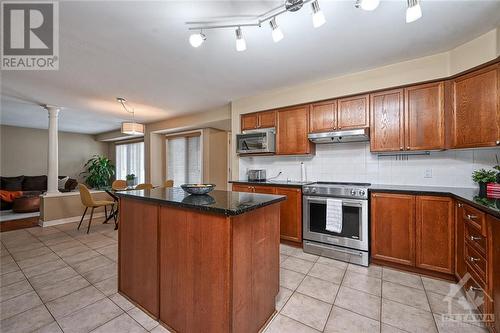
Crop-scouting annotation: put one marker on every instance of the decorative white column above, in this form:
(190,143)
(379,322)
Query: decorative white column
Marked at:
(53,156)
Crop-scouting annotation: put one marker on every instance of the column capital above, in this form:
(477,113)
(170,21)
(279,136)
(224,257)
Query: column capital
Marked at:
(52,110)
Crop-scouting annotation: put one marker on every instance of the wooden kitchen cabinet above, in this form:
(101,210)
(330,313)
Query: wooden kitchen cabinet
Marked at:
(291,214)
(323,116)
(353,112)
(435,239)
(387,121)
(393,228)
(291,131)
(290,211)
(264,119)
(424,117)
(493,298)
(476,114)
(459,241)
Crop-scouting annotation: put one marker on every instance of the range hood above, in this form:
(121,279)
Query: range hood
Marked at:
(355,135)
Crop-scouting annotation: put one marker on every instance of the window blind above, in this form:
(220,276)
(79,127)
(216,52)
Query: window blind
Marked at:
(130,160)
(184,162)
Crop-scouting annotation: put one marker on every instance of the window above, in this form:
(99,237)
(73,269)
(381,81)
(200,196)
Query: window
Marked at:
(130,160)
(184,159)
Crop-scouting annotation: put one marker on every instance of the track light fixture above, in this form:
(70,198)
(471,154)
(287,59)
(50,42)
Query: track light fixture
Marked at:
(241,45)
(276,31)
(318,17)
(197,39)
(413,12)
(368,5)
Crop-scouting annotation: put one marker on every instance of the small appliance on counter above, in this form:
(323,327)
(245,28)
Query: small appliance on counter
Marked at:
(258,175)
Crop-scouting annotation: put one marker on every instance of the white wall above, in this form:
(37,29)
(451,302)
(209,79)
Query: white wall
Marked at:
(353,162)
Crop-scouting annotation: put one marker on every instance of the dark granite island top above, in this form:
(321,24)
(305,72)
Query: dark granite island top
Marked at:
(220,202)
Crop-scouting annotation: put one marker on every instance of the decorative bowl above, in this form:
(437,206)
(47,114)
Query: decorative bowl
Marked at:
(198,189)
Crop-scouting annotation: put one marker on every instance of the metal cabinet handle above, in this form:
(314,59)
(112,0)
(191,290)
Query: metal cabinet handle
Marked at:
(473,238)
(498,142)
(471,288)
(460,205)
(471,217)
(408,148)
(401,148)
(472,259)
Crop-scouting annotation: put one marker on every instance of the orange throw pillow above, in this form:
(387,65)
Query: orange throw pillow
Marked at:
(9,196)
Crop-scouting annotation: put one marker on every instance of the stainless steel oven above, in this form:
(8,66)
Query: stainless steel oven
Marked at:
(256,141)
(352,243)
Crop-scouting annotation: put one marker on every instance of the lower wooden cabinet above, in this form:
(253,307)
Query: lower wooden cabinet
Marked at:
(435,238)
(290,212)
(393,228)
(493,298)
(413,231)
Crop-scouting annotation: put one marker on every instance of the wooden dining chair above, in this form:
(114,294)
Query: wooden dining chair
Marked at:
(144,186)
(89,202)
(168,183)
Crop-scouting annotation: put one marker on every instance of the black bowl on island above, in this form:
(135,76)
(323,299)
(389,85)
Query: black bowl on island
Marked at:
(198,189)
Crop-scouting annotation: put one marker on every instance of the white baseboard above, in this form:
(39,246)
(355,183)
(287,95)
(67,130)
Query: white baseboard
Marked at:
(68,220)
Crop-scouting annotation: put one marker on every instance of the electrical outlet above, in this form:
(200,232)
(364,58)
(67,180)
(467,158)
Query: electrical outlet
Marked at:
(428,173)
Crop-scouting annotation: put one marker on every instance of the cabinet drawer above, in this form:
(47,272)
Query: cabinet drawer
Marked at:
(474,290)
(475,218)
(475,238)
(475,261)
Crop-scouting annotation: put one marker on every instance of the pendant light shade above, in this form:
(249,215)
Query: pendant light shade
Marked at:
(414,11)
(132,128)
(241,45)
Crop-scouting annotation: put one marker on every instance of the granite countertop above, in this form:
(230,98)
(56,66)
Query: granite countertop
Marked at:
(220,202)
(291,183)
(468,195)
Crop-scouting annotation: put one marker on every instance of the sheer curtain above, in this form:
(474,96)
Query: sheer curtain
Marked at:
(130,160)
(184,159)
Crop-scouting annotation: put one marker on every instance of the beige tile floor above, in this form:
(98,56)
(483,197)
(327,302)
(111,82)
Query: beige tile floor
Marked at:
(58,279)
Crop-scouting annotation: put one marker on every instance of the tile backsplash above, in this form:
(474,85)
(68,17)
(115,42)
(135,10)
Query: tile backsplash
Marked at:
(353,162)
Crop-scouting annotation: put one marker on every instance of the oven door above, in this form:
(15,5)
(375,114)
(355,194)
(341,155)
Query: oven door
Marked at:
(354,223)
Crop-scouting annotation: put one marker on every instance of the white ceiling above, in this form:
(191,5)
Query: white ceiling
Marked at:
(139,50)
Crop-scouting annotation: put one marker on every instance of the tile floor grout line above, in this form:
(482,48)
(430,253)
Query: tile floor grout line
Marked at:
(433,318)
(284,315)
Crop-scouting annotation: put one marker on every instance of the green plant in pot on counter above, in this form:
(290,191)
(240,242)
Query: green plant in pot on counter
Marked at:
(483,177)
(98,172)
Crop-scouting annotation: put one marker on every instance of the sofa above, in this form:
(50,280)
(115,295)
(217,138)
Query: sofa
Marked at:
(21,193)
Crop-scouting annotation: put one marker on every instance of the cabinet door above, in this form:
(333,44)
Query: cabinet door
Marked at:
(242,188)
(459,241)
(292,129)
(493,302)
(291,214)
(264,189)
(267,119)
(424,116)
(249,121)
(393,228)
(323,116)
(386,121)
(477,115)
(353,112)
(435,245)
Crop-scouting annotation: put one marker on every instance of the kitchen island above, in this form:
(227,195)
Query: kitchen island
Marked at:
(205,263)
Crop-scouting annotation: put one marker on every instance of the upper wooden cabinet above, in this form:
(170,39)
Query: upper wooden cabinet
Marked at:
(387,121)
(435,238)
(393,228)
(264,119)
(424,117)
(476,114)
(323,116)
(353,112)
(345,113)
(292,128)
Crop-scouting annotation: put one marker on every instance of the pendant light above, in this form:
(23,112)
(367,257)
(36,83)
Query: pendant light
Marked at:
(318,17)
(276,31)
(130,127)
(413,12)
(241,45)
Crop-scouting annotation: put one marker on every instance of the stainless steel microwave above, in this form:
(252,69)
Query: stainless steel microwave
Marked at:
(256,141)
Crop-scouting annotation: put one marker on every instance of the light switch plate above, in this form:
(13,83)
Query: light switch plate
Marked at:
(428,173)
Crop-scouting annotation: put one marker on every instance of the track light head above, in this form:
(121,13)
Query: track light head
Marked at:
(367,5)
(318,17)
(197,39)
(414,11)
(241,45)
(276,31)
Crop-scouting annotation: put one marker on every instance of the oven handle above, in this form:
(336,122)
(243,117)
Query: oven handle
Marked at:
(352,252)
(345,202)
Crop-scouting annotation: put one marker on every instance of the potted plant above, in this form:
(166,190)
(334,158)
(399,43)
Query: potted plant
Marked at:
(99,172)
(483,177)
(130,180)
